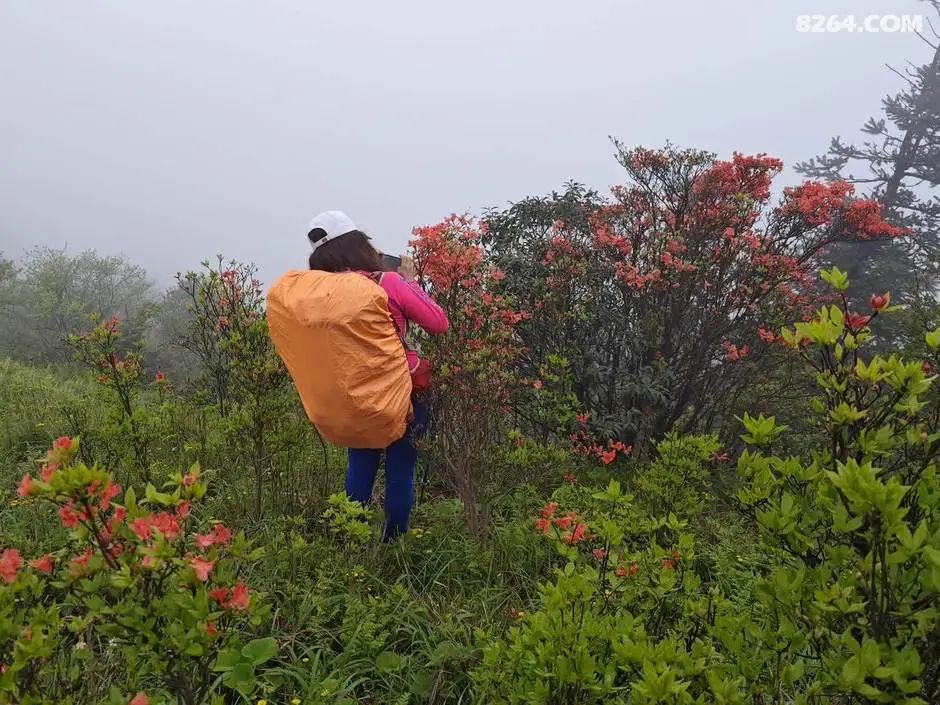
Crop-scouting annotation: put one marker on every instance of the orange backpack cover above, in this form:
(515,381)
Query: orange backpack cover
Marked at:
(336,337)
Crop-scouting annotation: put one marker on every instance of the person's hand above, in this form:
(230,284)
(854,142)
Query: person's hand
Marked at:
(407,268)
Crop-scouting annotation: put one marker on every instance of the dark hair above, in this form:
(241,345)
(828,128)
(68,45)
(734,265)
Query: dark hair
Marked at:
(350,252)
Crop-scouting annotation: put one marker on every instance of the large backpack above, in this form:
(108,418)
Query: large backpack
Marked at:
(339,343)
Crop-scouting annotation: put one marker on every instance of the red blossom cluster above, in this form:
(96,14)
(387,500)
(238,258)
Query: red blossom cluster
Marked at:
(569,529)
(582,443)
(476,356)
(90,509)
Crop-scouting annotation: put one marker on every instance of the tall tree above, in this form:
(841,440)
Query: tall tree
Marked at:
(898,164)
(56,293)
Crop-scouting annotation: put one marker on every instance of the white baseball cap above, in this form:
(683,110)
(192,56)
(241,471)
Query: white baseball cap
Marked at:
(333,223)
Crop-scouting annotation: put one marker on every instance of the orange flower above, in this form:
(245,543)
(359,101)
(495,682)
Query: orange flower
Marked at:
(43,564)
(201,567)
(26,486)
(10,563)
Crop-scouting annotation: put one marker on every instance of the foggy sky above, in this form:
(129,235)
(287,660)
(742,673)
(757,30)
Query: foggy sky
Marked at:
(170,131)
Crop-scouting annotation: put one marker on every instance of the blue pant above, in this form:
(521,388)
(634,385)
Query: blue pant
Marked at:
(400,459)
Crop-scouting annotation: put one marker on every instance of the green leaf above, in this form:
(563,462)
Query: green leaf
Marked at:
(259,651)
(388,661)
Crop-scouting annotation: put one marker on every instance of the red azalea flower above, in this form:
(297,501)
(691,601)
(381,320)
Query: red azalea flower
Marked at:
(26,486)
(110,492)
(577,535)
(43,564)
(239,598)
(190,480)
(599,553)
(543,525)
(159,376)
(211,631)
(139,699)
(548,511)
(220,595)
(609,456)
(880,301)
(856,322)
(48,470)
(68,517)
(182,509)
(766,335)
(221,535)
(78,566)
(625,572)
(201,567)
(204,541)
(10,563)
(63,443)
(570,478)
(166,524)
(141,527)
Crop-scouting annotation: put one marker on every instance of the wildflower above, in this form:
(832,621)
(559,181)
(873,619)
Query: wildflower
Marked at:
(10,563)
(564,522)
(141,527)
(239,599)
(676,556)
(668,564)
(211,631)
(599,553)
(570,478)
(577,535)
(609,456)
(43,564)
(26,486)
(140,699)
(166,524)
(48,470)
(201,567)
(221,535)
(537,384)
(68,517)
(159,376)
(220,595)
(880,301)
(548,511)
(182,509)
(582,419)
(78,566)
(543,525)
(204,541)
(766,335)
(855,321)
(110,491)
(190,479)
(623,571)
(63,443)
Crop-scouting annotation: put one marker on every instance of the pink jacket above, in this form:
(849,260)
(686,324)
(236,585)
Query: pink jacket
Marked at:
(409,304)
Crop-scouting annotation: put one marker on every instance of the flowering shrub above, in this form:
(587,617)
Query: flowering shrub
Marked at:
(856,528)
(97,349)
(229,334)
(139,583)
(663,297)
(843,608)
(474,361)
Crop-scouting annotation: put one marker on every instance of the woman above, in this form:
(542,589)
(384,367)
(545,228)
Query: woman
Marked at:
(338,246)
